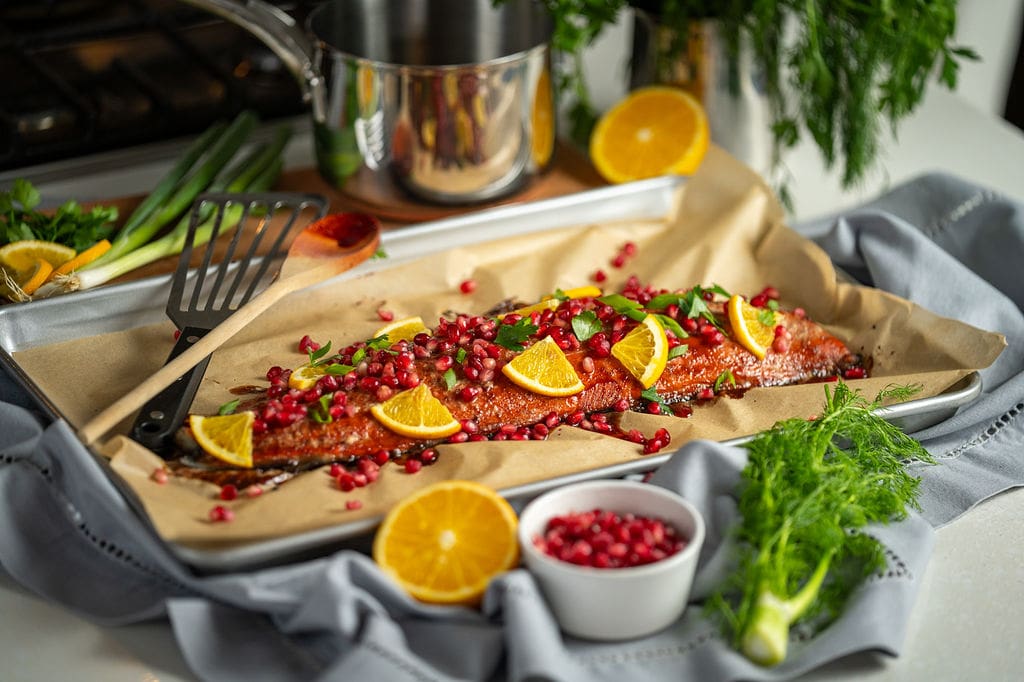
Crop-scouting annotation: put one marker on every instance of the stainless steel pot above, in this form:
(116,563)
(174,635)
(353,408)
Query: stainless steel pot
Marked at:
(449,100)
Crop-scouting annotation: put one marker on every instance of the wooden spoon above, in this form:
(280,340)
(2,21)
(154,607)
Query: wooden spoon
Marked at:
(326,248)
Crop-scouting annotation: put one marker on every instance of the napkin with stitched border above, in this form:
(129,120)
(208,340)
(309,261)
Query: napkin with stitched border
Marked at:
(68,534)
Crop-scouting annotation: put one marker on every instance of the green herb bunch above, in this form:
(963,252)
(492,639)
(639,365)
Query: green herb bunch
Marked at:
(69,225)
(808,486)
(837,69)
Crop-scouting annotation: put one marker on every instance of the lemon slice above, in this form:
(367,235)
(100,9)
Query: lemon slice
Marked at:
(445,542)
(227,437)
(84,258)
(653,131)
(543,369)
(754,335)
(402,330)
(416,413)
(22,255)
(644,351)
(306,376)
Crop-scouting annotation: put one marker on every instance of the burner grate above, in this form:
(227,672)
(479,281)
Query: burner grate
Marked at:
(90,75)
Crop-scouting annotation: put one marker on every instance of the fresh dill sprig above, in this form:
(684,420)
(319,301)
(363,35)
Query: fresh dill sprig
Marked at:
(807,487)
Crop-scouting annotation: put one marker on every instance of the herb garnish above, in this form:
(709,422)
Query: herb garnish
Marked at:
(725,377)
(586,325)
(651,395)
(321,410)
(807,487)
(69,225)
(449,378)
(676,351)
(319,355)
(514,336)
(624,306)
(229,407)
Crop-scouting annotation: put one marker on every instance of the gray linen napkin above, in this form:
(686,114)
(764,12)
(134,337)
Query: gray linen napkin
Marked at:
(68,534)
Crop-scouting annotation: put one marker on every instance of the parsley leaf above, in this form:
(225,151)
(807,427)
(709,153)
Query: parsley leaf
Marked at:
(651,395)
(70,224)
(586,325)
(766,317)
(624,306)
(677,351)
(513,336)
(338,369)
(316,355)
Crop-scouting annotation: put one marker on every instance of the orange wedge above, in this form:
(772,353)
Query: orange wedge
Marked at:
(550,302)
(542,124)
(23,254)
(657,130)
(32,280)
(644,351)
(750,331)
(543,369)
(416,413)
(84,258)
(227,437)
(445,543)
(402,330)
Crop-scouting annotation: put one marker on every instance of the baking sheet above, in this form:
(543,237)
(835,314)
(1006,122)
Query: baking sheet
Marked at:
(726,199)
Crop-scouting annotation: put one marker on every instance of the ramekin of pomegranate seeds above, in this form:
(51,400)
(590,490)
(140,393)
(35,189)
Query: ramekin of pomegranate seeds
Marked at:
(615,559)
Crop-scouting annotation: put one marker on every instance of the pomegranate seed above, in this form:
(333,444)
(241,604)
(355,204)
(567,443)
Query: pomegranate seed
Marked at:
(599,276)
(653,407)
(360,479)
(228,492)
(574,418)
(221,514)
(159,475)
(468,393)
(469,426)
(385,315)
(255,490)
(629,248)
(552,420)
(604,539)
(706,394)
(618,261)
(770,292)
(381,457)
(458,437)
(800,312)
(177,334)
(854,373)
(306,344)
(352,505)
(621,405)
(467,286)
(346,482)
(780,345)
(412,466)
(759,301)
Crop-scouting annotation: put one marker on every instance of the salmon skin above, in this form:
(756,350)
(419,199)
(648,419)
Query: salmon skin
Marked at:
(460,361)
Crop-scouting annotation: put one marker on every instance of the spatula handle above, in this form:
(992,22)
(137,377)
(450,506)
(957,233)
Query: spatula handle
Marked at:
(163,415)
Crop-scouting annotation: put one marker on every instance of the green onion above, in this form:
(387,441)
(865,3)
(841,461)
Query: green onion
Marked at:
(255,173)
(185,192)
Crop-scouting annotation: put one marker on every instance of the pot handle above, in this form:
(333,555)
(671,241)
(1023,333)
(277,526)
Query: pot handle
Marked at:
(278,31)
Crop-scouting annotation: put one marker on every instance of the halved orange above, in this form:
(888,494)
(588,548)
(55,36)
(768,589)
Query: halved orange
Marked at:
(644,351)
(227,437)
(750,331)
(83,258)
(402,330)
(416,413)
(656,130)
(543,369)
(446,542)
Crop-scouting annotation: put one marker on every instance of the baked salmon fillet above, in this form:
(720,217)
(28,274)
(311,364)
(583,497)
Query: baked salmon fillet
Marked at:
(329,419)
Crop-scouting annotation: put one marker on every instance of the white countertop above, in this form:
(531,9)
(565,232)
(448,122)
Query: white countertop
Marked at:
(967,624)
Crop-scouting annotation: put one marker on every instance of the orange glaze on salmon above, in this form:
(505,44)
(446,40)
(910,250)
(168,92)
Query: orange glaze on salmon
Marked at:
(495,402)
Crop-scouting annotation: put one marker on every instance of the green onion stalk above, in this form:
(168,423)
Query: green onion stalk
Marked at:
(177,190)
(807,489)
(256,172)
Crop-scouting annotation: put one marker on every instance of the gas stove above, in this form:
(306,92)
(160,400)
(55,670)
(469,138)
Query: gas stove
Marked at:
(100,84)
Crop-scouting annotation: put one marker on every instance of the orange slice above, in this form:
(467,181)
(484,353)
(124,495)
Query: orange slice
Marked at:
(402,330)
(306,376)
(227,437)
(444,543)
(550,302)
(543,369)
(22,255)
(416,413)
(657,130)
(31,281)
(84,258)
(754,335)
(542,123)
(644,351)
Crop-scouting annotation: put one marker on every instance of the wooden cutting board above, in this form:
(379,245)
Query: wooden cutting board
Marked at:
(570,172)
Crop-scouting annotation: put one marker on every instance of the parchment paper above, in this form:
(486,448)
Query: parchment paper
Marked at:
(727,229)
